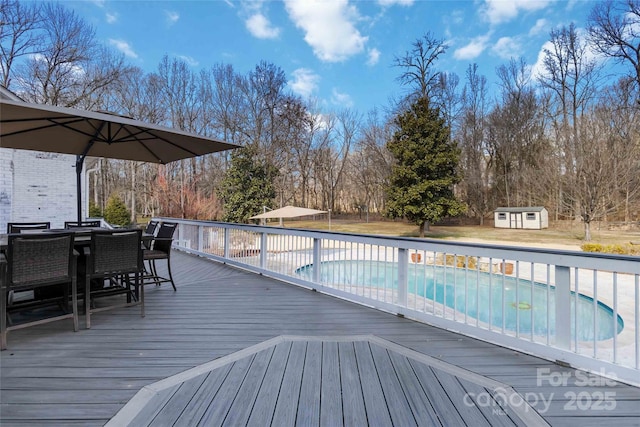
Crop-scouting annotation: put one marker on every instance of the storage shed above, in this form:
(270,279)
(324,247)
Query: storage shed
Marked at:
(530,217)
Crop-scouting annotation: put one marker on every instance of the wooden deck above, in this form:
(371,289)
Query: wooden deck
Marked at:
(235,348)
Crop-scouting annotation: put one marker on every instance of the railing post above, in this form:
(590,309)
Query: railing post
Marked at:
(263,250)
(200,238)
(181,238)
(227,238)
(317,250)
(563,307)
(403,270)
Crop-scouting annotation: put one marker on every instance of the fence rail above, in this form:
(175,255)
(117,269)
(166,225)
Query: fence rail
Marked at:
(576,308)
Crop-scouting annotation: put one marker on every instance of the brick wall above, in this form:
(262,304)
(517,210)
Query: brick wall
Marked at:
(6,186)
(38,187)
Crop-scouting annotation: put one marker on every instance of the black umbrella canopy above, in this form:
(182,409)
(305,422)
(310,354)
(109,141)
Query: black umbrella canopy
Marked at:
(53,129)
(64,130)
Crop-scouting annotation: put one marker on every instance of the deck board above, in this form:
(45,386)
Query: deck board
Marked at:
(216,414)
(416,397)
(269,390)
(352,398)
(52,376)
(330,393)
(309,415)
(287,403)
(375,403)
(193,412)
(397,404)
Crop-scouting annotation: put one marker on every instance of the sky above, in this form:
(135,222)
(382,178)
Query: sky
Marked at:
(338,52)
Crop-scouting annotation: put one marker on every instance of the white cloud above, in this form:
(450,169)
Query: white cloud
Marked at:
(457,17)
(189,60)
(123,47)
(538,69)
(172,17)
(329,27)
(497,11)
(589,55)
(386,3)
(304,82)
(260,27)
(473,49)
(341,99)
(541,26)
(111,17)
(507,47)
(374,57)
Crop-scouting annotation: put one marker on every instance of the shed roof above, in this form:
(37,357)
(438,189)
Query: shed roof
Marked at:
(522,209)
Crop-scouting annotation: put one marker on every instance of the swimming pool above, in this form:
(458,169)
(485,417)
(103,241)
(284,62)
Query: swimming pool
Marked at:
(523,307)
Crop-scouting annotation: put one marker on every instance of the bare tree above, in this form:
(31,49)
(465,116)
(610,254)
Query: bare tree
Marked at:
(619,116)
(516,142)
(19,35)
(473,143)
(447,98)
(55,74)
(372,162)
(614,30)
(333,153)
(596,178)
(571,77)
(223,97)
(419,73)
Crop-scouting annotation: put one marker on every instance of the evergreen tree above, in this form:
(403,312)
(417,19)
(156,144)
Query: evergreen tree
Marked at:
(116,212)
(94,210)
(421,183)
(247,186)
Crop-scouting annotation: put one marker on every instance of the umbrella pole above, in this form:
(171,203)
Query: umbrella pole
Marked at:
(79,163)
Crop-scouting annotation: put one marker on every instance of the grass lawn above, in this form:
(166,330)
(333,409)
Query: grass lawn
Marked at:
(560,234)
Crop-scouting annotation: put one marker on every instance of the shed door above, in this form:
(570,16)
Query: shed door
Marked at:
(515,220)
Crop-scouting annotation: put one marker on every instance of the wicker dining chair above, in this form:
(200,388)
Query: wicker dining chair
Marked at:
(150,229)
(81,224)
(160,250)
(37,261)
(18,227)
(114,262)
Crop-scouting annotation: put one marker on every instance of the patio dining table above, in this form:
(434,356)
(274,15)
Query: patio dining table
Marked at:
(82,235)
(82,243)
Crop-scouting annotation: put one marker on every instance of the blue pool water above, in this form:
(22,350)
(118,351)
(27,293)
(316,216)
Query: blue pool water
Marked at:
(526,309)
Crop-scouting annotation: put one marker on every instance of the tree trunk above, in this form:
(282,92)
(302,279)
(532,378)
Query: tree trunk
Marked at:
(587,231)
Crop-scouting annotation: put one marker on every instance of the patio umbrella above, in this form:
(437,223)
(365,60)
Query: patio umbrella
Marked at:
(53,129)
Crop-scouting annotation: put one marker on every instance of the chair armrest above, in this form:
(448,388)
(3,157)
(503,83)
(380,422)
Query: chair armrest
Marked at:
(153,241)
(163,239)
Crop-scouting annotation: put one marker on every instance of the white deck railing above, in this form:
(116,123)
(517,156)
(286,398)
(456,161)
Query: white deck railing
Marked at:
(521,298)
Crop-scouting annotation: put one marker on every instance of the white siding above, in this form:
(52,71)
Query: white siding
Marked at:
(501,223)
(531,220)
(38,187)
